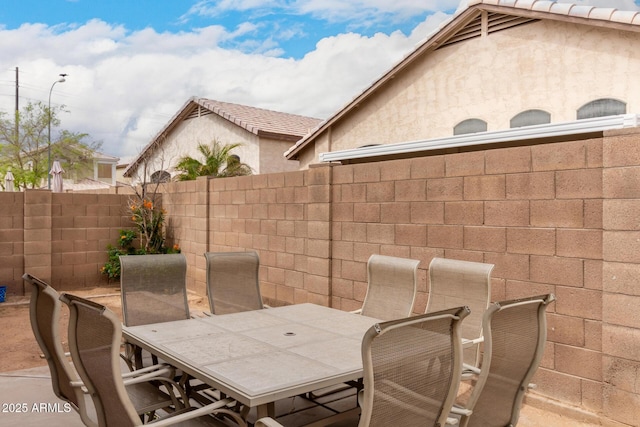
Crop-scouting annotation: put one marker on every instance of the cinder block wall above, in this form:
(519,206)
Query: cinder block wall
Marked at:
(12,241)
(285,217)
(58,237)
(187,212)
(620,335)
(533,211)
(82,225)
(558,217)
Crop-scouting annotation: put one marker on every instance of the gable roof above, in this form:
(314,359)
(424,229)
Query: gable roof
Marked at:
(467,24)
(258,121)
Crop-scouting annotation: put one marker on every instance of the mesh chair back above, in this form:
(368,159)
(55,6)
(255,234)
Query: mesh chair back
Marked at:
(412,369)
(153,288)
(95,333)
(453,283)
(232,282)
(391,289)
(515,336)
(44,311)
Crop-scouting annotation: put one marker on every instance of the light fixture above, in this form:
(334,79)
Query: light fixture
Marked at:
(60,80)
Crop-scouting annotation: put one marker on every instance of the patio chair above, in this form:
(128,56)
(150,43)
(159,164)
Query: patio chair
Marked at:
(391,292)
(515,336)
(95,333)
(232,282)
(453,283)
(44,311)
(391,289)
(411,370)
(153,290)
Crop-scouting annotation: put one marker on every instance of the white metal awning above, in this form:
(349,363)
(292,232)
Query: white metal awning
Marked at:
(548,130)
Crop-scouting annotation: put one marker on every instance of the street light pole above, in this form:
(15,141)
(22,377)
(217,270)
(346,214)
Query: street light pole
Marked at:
(60,80)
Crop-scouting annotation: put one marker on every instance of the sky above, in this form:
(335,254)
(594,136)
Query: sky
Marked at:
(131,65)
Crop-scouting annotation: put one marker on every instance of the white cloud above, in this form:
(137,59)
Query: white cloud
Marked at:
(123,87)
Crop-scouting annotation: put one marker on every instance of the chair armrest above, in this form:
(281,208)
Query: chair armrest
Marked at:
(219,407)
(79,384)
(468,343)
(267,422)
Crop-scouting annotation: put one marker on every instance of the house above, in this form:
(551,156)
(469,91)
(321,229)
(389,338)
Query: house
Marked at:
(264,136)
(84,168)
(499,71)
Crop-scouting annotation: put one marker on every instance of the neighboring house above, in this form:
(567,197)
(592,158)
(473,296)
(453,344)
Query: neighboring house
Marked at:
(496,67)
(104,168)
(94,170)
(99,174)
(264,136)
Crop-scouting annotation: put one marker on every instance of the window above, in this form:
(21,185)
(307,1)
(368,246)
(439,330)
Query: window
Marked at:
(470,126)
(530,118)
(160,176)
(105,171)
(602,107)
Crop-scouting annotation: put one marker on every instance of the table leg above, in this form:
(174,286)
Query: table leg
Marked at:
(266,410)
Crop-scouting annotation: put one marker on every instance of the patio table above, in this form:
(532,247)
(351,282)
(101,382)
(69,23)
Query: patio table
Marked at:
(259,357)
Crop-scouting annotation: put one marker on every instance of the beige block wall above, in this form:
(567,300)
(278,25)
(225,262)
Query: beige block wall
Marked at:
(59,237)
(82,225)
(553,218)
(12,242)
(621,265)
(187,207)
(284,217)
(558,218)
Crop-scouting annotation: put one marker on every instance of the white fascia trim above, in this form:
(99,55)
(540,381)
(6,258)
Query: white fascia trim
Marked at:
(548,130)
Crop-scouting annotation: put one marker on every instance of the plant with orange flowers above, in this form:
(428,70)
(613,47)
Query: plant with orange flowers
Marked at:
(146,237)
(149,221)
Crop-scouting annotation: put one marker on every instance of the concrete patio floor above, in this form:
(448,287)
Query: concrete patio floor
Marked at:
(31,390)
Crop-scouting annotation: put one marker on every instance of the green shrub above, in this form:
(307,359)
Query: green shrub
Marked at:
(111,268)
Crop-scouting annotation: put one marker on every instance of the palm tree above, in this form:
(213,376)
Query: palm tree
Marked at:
(218,162)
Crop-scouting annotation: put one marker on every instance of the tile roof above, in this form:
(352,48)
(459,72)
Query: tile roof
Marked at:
(568,9)
(454,30)
(259,121)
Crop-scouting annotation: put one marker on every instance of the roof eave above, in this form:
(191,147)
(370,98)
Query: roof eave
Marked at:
(182,112)
(431,43)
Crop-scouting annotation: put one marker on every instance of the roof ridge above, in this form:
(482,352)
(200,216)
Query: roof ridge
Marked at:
(254,108)
(256,119)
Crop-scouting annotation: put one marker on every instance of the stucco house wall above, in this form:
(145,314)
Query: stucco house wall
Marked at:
(184,139)
(272,160)
(263,135)
(556,64)
(553,66)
